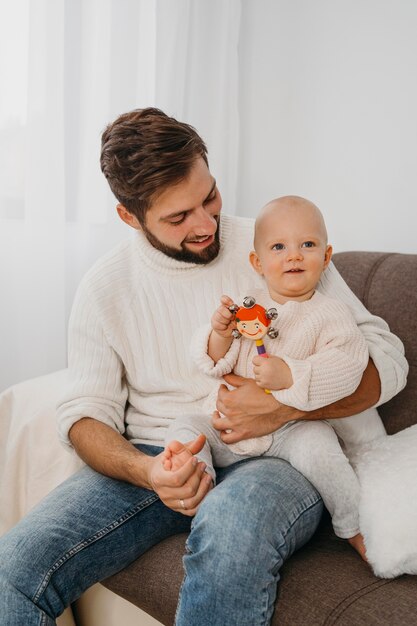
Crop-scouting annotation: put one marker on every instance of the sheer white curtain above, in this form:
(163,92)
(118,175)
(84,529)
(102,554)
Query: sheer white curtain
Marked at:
(68,67)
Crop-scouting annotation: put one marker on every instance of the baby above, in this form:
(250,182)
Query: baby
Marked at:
(318,358)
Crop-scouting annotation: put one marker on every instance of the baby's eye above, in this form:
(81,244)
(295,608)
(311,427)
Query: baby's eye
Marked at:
(308,244)
(278,246)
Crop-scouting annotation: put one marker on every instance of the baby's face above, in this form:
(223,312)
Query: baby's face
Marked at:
(291,251)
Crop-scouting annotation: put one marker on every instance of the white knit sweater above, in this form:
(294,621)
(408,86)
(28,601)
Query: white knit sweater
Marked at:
(130,328)
(318,339)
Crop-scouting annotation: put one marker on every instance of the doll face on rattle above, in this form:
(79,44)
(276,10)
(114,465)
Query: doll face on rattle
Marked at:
(252,329)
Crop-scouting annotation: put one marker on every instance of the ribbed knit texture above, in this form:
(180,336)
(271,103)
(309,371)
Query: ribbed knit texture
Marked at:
(131,325)
(318,339)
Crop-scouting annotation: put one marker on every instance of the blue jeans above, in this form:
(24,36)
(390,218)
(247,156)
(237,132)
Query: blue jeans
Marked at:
(92,526)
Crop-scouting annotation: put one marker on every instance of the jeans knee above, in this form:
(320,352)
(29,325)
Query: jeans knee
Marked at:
(270,509)
(13,567)
(23,579)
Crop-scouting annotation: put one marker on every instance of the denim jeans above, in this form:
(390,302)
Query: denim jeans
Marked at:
(92,526)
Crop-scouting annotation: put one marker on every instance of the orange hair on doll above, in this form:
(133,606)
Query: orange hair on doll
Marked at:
(255,312)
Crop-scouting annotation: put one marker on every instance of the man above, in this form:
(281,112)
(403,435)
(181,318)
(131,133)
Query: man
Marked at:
(130,374)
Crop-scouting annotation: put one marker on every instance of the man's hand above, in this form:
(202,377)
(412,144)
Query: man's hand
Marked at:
(271,372)
(186,486)
(248,411)
(190,484)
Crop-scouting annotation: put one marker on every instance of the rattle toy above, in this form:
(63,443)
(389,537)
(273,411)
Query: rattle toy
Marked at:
(253,322)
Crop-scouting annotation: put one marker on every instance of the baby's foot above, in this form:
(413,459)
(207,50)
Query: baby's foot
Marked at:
(358,543)
(176,455)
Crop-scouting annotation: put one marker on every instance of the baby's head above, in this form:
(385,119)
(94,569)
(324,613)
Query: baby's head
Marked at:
(291,249)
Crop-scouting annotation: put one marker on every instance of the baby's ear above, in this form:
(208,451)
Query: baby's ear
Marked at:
(327,256)
(255,262)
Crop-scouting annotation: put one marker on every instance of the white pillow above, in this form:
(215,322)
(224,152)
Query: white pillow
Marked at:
(387,471)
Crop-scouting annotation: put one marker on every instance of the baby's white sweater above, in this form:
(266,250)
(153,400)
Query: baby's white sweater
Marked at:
(131,324)
(318,339)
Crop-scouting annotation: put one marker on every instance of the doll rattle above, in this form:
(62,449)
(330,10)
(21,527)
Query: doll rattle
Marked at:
(253,322)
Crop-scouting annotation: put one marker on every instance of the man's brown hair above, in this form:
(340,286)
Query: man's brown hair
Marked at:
(144,152)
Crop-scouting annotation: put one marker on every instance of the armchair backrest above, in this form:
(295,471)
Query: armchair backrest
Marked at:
(386,283)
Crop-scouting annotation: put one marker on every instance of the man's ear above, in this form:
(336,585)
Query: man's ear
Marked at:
(128,218)
(255,262)
(327,256)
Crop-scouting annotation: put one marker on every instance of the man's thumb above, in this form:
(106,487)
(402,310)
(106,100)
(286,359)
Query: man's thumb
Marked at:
(235,380)
(197,444)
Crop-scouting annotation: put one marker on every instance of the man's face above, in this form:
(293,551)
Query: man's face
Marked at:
(183,222)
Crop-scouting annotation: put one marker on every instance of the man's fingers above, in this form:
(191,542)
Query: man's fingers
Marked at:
(221,396)
(235,380)
(175,447)
(225,401)
(223,389)
(192,504)
(196,445)
(186,499)
(229,436)
(192,485)
(217,421)
(220,422)
(178,484)
(178,478)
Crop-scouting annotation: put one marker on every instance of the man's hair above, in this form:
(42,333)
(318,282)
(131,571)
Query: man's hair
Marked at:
(144,152)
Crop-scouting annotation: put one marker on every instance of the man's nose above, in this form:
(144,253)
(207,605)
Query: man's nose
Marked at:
(205,222)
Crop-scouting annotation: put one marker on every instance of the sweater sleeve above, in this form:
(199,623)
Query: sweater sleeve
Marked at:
(199,346)
(335,370)
(96,387)
(385,349)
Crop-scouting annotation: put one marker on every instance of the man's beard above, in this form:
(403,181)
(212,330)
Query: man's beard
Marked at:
(205,256)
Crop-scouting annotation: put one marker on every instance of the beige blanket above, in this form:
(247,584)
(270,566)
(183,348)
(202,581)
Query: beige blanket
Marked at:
(32,461)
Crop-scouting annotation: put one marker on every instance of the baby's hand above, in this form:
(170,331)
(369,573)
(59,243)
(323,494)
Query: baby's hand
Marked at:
(271,373)
(223,321)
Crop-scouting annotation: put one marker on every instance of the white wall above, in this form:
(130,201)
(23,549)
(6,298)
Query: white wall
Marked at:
(328,103)
(326,108)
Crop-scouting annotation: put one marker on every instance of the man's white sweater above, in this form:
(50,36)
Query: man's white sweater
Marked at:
(131,324)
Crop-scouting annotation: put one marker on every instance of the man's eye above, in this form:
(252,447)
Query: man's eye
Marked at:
(178,219)
(278,246)
(308,244)
(210,198)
